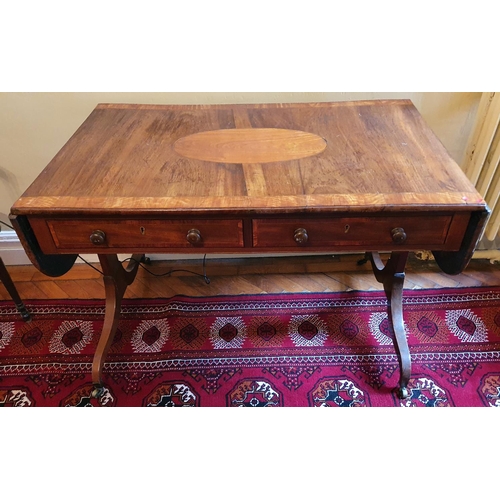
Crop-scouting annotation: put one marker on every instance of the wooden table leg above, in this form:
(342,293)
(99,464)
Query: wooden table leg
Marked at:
(392,276)
(9,285)
(116,280)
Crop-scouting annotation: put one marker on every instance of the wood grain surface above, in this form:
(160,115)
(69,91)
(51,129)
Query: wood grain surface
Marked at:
(249,145)
(314,273)
(377,154)
(250,178)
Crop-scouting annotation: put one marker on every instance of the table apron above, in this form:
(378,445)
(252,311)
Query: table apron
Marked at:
(261,234)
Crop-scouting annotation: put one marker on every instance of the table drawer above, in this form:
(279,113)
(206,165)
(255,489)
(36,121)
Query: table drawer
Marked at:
(376,231)
(91,235)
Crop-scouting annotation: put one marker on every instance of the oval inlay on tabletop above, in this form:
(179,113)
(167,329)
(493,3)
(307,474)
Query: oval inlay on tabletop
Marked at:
(250,145)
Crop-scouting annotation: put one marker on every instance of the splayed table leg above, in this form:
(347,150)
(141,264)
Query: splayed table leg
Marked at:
(392,276)
(10,287)
(116,280)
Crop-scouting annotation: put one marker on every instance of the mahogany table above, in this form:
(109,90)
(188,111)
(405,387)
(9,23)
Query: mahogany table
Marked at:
(367,176)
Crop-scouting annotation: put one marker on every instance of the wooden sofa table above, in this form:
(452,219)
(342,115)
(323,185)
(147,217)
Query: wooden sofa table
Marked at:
(367,176)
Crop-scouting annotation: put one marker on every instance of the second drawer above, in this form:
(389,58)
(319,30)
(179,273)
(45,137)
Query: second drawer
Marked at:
(351,231)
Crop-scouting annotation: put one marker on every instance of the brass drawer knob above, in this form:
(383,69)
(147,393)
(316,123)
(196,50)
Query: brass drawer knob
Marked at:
(300,236)
(398,235)
(98,237)
(193,236)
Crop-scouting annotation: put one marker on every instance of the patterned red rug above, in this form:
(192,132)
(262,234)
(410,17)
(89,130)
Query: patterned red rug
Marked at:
(331,349)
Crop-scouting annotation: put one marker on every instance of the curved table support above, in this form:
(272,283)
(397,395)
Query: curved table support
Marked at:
(116,280)
(392,276)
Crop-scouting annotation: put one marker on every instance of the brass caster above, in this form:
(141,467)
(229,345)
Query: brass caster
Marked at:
(25,315)
(97,392)
(403,393)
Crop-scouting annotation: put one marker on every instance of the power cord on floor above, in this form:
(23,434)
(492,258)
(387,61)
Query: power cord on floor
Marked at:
(168,273)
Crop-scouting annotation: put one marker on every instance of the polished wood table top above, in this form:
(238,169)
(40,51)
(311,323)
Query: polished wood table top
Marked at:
(373,165)
(278,158)
(363,176)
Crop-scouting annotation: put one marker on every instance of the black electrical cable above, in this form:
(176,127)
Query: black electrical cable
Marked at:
(168,273)
(90,265)
(5,224)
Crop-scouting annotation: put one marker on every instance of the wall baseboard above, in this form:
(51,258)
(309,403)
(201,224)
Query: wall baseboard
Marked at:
(11,250)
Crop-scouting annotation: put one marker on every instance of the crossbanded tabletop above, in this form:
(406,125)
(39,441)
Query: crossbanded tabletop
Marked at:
(361,156)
